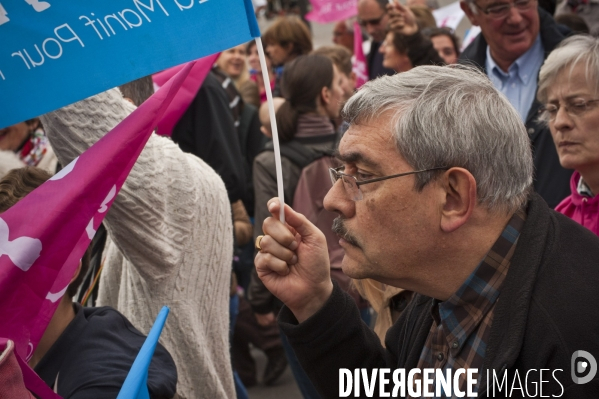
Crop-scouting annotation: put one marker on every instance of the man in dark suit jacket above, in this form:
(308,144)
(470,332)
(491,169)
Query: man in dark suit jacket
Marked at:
(372,16)
(516,42)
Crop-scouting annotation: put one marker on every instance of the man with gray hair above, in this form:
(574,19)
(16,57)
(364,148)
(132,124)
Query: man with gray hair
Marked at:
(515,38)
(434,196)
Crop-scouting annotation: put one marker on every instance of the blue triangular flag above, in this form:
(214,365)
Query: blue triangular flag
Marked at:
(136,383)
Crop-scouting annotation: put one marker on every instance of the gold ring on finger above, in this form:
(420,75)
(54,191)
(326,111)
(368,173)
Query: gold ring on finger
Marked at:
(258,241)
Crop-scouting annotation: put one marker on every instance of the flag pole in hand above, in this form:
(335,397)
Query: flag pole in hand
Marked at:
(273,125)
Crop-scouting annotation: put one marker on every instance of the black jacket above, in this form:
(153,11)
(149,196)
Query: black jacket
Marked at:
(552,181)
(207,131)
(547,310)
(94,354)
(374,61)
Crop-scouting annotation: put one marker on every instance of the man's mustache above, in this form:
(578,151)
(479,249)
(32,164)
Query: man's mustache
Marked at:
(342,231)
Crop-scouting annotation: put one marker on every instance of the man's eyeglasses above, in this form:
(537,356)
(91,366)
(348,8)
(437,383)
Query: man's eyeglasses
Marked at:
(365,22)
(575,107)
(352,184)
(503,10)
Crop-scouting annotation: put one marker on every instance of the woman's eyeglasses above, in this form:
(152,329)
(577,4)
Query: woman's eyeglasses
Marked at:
(575,107)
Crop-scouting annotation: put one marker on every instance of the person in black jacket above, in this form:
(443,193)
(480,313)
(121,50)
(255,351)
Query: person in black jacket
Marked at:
(86,353)
(515,40)
(372,16)
(207,130)
(503,284)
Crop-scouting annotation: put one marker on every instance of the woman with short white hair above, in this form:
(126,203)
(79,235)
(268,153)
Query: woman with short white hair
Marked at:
(569,88)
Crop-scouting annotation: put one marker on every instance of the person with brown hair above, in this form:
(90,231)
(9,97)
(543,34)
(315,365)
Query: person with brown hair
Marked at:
(424,16)
(341,57)
(405,47)
(67,342)
(445,42)
(313,94)
(286,39)
(573,21)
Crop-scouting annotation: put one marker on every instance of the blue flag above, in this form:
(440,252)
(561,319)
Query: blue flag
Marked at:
(56,52)
(136,383)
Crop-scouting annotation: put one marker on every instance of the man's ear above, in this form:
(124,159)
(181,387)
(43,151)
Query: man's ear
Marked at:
(469,13)
(459,190)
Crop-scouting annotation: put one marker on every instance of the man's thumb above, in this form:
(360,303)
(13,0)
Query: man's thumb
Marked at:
(294,219)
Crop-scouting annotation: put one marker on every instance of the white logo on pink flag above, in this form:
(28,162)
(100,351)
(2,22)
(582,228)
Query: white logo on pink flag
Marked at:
(73,202)
(359,61)
(65,171)
(22,251)
(326,11)
(55,297)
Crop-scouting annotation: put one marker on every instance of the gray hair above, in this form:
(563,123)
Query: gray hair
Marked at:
(471,5)
(569,53)
(453,116)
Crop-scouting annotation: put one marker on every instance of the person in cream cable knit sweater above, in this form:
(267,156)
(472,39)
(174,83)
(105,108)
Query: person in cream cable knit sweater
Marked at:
(169,243)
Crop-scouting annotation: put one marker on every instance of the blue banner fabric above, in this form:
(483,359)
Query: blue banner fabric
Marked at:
(136,383)
(56,52)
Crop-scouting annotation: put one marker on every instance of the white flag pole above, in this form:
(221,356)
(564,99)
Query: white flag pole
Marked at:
(273,125)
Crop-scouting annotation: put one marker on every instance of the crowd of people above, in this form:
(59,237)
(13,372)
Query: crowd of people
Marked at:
(454,196)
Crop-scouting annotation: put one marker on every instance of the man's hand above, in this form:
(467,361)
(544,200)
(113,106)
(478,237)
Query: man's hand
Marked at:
(401,19)
(294,262)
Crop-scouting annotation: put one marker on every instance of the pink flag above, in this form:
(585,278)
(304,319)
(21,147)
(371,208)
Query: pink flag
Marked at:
(359,62)
(44,236)
(326,11)
(186,93)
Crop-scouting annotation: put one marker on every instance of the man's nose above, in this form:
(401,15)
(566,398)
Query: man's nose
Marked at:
(338,201)
(371,30)
(514,17)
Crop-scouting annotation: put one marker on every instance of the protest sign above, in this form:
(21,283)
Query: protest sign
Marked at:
(54,53)
(359,66)
(326,11)
(449,16)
